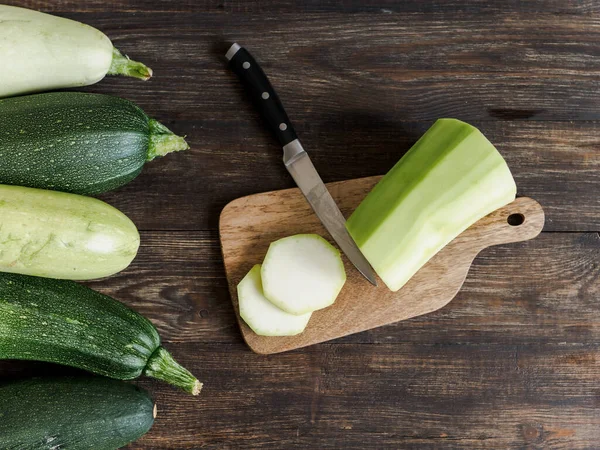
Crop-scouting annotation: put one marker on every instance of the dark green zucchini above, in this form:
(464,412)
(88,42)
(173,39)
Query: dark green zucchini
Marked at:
(63,322)
(73,413)
(76,142)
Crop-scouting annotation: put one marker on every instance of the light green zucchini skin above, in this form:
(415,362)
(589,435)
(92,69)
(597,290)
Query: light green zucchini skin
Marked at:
(77,142)
(66,323)
(72,413)
(42,52)
(59,235)
(452,177)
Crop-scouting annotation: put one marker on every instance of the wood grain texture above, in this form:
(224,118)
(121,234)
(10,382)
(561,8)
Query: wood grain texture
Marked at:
(249,225)
(512,361)
(364,87)
(544,290)
(383,396)
(390,396)
(550,161)
(298,6)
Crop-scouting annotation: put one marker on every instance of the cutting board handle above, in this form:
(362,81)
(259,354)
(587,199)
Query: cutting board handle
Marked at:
(518,221)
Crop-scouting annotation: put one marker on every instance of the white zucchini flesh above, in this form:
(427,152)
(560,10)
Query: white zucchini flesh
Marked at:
(262,316)
(40,52)
(302,273)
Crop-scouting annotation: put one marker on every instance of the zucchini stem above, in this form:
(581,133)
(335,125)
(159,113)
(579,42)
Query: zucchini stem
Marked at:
(163,141)
(162,366)
(122,65)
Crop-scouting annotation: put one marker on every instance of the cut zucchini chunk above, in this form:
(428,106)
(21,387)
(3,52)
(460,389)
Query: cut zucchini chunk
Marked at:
(452,177)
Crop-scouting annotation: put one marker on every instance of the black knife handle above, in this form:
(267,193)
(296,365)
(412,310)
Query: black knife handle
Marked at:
(262,93)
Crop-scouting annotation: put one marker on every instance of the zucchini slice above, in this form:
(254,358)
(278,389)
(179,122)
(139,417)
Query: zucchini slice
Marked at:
(261,315)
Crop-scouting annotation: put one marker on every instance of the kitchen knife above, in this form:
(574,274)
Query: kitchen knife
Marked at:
(295,158)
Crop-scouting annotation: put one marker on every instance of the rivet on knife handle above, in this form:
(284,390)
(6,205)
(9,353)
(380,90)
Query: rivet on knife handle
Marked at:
(262,93)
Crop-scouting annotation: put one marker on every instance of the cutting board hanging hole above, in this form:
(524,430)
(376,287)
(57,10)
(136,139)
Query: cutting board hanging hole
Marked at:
(516,219)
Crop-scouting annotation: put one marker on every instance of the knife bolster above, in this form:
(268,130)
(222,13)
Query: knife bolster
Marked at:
(292,151)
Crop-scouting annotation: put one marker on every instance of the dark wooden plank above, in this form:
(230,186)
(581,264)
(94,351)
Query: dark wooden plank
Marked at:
(541,291)
(361,89)
(347,6)
(386,396)
(512,362)
(474,66)
(555,163)
(382,396)
(178,282)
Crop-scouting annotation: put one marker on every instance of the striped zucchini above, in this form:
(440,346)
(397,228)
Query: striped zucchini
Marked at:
(41,52)
(73,413)
(66,323)
(76,142)
(60,235)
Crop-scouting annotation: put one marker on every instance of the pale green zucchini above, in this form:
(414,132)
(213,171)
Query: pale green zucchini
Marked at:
(452,177)
(40,52)
(59,235)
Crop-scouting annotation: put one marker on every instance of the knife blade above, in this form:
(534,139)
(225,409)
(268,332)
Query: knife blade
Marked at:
(295,158)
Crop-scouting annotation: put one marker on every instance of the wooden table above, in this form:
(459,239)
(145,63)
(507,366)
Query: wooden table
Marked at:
(513,361)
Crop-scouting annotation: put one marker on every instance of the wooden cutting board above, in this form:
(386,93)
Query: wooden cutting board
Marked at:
(249,224)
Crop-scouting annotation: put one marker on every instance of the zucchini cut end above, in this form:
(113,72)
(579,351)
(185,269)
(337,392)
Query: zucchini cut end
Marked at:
(162,366)
(163,141)
(122,65)
(197,388)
